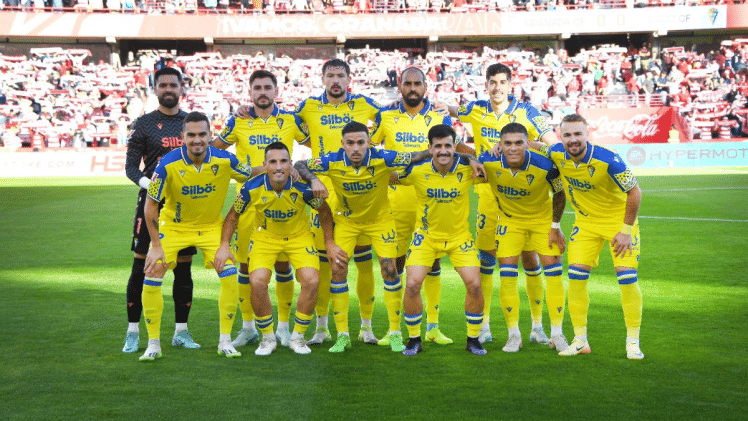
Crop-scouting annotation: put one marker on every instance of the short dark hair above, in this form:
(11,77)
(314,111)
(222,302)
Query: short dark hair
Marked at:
(195,116)
(336,62)
(413,69)
(497,68)
(574,118)
(440,131)
(354,127)
(262,74)
(514,128)
(277,146)
(168,71)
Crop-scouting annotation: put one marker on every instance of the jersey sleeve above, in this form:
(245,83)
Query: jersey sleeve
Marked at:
(228,129)
(405,178)
(396,159)
(554,179)
(308,196)
(136,148)
(243,199)
(539,125)
(302,130)
(621,174)
(158,182)
(240,171)
(377,133)
(318,165)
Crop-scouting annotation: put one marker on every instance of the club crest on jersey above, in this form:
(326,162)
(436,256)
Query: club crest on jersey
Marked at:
(512,118)
(530,179)
(483,117)
(427,176)
(319,107)
(351,104)
(159,125)
(264,199)
(370,170)
(280,122)
(459,177)
(396,119)
(214,168)
(181,172)
(428,121)
(591,169)
(342,173)
(250,123)
(294,196)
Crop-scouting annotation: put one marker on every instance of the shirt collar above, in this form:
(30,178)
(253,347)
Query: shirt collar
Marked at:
(513,104)
(326,100)
(587,155)
(273,113)
(186,157)
(269,187)
(525,166)
(452,169)
(365,162)
(426,107)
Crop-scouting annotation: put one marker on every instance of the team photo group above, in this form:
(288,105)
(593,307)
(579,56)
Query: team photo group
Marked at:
(391,181)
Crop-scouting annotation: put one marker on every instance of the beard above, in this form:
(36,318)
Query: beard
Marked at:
(168,101)
(413,101)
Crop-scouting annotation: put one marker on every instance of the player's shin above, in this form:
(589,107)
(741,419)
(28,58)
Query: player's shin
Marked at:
(631,298)
(182,291)
(245,294)
(534,287)
(340,300)
(322,308)
(227,299)
(393,300)
(153,306)
(579,300)
(509,296)
(135,290)
(487,265)
(284,287)
(474,308)
(365,282)
(432,289)
(555,296)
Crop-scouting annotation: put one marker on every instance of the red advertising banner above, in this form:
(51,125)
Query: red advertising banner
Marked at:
(620,126)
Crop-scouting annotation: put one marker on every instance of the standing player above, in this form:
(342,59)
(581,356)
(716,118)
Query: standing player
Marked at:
(265,123)
(606,198)
(325,116)
(153,135)
(522,182)
(404,127)
(442,187)
(282,229)
(487,118)
(193,181)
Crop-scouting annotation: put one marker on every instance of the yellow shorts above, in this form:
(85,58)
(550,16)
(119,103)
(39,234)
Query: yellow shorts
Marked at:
(265,249)
(381,235)
(243,235)
(405,225)
(517,236)
(173,240)
(316,228)
(586,241)
(486,219)
(424,250)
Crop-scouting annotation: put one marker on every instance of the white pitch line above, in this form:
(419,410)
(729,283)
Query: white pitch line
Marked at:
(695,189)
(681,218)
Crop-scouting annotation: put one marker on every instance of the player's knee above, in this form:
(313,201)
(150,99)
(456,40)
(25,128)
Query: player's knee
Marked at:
(473,287)
(389,271)
(412,288)
(530,260)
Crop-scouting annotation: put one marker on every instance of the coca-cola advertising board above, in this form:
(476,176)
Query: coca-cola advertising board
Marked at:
(619,126)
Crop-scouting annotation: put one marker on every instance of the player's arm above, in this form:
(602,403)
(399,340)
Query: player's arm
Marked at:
(475,164)
(318,188)
(136,149)
(463,148)
(223,254)
(156,252)
(335,255)
(623,241)
(549,138)
(555,235)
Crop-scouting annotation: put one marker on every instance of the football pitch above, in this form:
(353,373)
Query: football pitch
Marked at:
(65,260)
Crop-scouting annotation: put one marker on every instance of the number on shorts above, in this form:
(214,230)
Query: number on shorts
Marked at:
(574,232)
(417,239)
(481,221)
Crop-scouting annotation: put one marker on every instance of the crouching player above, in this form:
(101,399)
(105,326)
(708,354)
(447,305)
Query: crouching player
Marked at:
(442,187)
(282,227)
(521,181)
(194,180)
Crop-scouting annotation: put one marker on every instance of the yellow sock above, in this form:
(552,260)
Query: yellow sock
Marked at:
(393,299)
(508,294)
(284,286)
(631,298)
(322,308)
(301,322)
(487,265)
(265,324)
(153,306)
(413,322)
(432,289)
(365,283)
(245,292)
(227,298)
(579,299)
(474,321)
(534,287)
(554,292)
(340,299)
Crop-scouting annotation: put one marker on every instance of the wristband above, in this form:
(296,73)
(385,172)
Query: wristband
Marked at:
(556,225)
(144,182)
(627,229)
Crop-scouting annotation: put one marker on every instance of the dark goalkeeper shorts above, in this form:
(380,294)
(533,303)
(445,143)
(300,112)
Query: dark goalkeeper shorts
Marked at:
(141,240)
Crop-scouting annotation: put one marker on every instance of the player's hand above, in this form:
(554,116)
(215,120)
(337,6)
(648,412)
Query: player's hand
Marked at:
(622,243)
(152,265)
(319,189)
(223,255)
(394,179)
(495,151)
(336,256)
(440,107)
(295,176)
(557,236)
(243,111)
(478,170)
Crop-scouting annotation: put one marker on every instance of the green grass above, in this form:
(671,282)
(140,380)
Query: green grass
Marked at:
(65,259)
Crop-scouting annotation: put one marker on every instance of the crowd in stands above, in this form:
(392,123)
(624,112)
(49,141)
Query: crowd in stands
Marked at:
(57,98)
(336,6)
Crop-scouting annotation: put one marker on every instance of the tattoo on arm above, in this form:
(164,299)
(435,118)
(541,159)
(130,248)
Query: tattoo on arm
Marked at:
(304,171)
(559,204)
(416,157)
